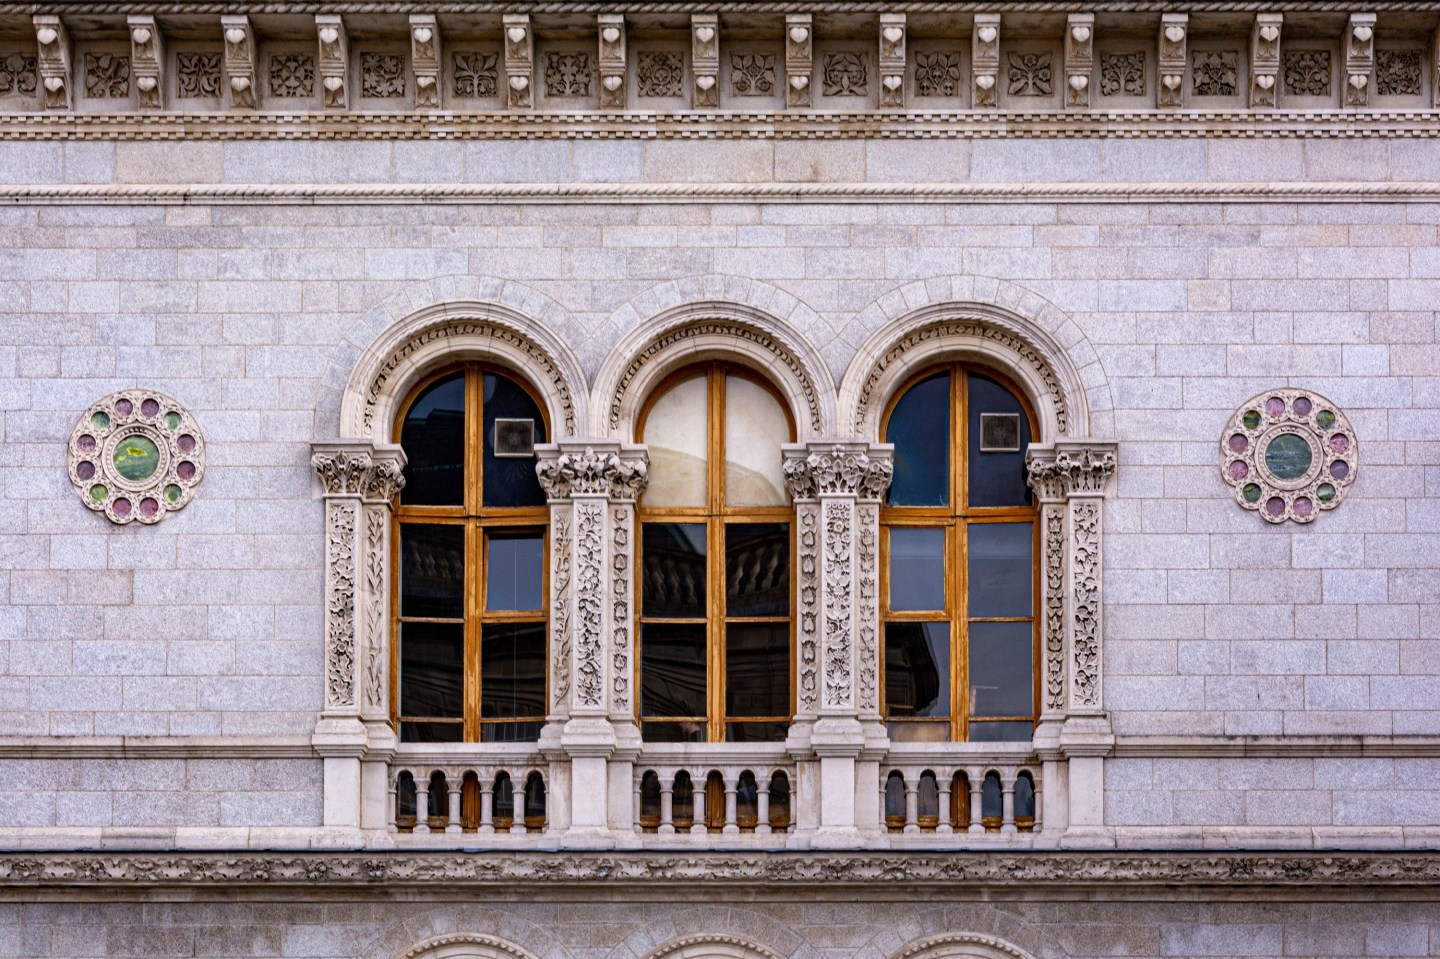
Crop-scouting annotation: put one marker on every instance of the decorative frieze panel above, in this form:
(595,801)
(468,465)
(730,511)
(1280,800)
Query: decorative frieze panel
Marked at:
(198,76)
(107,76)
(1122,74)
(1308,73)
(18,75)
(292,76)
(1399,73)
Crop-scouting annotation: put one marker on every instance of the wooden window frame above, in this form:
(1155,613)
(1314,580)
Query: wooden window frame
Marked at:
(479,521)
(714,516)
(955,519)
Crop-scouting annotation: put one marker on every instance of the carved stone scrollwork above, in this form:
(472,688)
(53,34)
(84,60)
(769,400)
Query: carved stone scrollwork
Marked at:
(838,471)
(340,604)
(1072,469)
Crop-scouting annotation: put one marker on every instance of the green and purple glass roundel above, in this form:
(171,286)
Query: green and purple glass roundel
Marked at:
(1289,454)
(136,456)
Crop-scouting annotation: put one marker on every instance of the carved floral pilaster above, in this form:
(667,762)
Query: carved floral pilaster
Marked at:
(360,482)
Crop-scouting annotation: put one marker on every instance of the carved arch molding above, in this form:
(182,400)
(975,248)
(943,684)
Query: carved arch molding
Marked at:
(466,945)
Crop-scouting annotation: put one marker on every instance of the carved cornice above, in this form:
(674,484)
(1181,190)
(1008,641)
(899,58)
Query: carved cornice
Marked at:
(374,475)
(1069,469)
(873,871)
(846,469)
(614,471)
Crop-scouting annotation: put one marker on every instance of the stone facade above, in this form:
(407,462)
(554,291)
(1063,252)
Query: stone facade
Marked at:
(1238,746)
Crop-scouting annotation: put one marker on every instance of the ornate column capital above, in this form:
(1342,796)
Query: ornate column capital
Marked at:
(359,468)
(1070,468)
(618,471)
(838,468)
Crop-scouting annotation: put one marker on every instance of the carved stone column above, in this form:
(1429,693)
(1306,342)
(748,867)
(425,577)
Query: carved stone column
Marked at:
(353,733)
(837,486)
(592,488)
(1069,478)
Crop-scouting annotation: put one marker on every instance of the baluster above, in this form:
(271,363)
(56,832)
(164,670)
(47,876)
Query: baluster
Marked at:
(454,783)
(977,783)
(732,781)
(699,790)
(517,809)
(884,798)
(1035,778)
(394,825)
(639,776)
(942,786)
(422,805)
(762,806)
(487,802)
(667,802)
(1007,803)
(912,805)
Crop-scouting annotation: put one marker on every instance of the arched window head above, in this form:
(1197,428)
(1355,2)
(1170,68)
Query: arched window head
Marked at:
(471,528)
(715,622)
(958,599)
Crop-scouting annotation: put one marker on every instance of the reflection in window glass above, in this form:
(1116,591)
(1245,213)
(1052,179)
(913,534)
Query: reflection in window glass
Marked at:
(514,572)
(917,569)
(1008,732)
(433,435)
(509,480)
(674,572)
(512,670)
(676,435)
(432,570)
(996,479)
(757,569)
(917,669)
(755,427)
(1000,568)
(919,426)
(432,659)
(1001,682)
(757,669)
(672,669)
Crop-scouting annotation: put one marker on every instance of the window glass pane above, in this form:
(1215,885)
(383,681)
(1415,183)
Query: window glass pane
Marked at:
(755,426)
(512,670)
(916,732)
(433,435)
(431,733)
(1001,682)
(920,429)
(757,669)
(511,732)
(514,573)
(757,569)
(674,573)
(996,479)
(756,733)
(917,669)
(672,669)
(1011,732)
(510,480)
(672,732)
(432,670)
(432,570)
(917,569)
(677,433)
(1000,569)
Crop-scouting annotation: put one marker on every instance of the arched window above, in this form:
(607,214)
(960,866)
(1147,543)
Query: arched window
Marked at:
(958,595)
(715,556)
(469,603)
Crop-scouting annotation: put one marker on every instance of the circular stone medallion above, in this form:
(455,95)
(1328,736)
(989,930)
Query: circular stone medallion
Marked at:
(124,452)
(1289,454)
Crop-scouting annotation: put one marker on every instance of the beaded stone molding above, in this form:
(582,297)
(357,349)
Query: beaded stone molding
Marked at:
(1289,454)
(136,455)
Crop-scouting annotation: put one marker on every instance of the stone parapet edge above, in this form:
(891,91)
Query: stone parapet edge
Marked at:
(876,871)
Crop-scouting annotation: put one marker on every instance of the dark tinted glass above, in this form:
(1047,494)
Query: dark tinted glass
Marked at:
(991,798)
(917,569)
(996,479)
(673,732)
(757,569)
(1011,732)
(920,429)
(512,670)
(1024,797)
(433,435)
(1000,677)
(757,669)
(757,733)
(1000,569)
(510,480)
(917,669)
(673,580)
(672,669)
(511,732)
(432,670)
(431,733)
(432,570)
(515,574)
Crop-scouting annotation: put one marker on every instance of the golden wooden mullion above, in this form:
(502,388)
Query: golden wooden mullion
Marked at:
(474,551)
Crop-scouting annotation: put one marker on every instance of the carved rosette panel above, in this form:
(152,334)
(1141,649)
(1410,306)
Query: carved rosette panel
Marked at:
(1052,520)
(622,566)
(839,591)
(1085,616)
(560,546)
(807,516)
(867,665)
(1289,454)
(589,604)
(136,455)
(340,603)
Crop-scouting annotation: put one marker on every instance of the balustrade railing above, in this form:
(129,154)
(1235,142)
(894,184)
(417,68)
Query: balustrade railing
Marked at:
(972,798)
(703,798)
(493,799)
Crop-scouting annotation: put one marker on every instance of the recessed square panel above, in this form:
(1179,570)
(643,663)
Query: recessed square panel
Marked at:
(514,439)
(999,432)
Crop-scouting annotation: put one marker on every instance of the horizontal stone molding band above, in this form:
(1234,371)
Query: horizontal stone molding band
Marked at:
(162,8)
(878,873)
(770,192)
(727,125)
(156,747)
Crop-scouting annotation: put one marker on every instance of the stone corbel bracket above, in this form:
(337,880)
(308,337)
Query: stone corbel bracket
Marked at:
(334,60)
(892,60)
(1359,58)
(1265,58)
(519,61)
(147,61)
(1170,76)
(799,59)
(240,57)
(1079,59)
(705,60)
(54,63)
(985,60)
(425,60)
(611,27)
